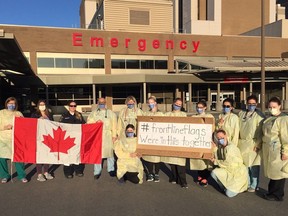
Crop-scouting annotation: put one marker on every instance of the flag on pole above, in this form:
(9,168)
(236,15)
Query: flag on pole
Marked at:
(47,142)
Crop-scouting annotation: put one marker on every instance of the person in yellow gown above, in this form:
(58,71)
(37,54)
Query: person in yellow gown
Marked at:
(275,150)
(202,165)
(128,115)
(250,139)
(153,162)
(229,121)
(109,119)
(231,174)
(177,164)
(129,165)
(6,126)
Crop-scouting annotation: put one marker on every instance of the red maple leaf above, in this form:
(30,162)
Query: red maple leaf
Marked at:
(58,143)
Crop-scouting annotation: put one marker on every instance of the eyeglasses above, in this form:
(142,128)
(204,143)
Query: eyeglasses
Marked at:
(72,105)
(226,106)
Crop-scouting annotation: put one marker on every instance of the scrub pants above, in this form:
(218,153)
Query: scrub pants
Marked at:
(4,173)
(227,192)
(276,188)
(110,166)
(150,166)
(253,176)
(77,168)
(178,174)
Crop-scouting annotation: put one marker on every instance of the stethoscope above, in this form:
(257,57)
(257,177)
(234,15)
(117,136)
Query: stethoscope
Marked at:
(105,112)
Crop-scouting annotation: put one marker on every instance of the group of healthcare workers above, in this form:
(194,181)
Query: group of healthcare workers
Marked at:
(238,142)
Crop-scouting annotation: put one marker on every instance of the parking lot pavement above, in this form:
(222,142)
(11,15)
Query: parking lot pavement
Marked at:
(105,196)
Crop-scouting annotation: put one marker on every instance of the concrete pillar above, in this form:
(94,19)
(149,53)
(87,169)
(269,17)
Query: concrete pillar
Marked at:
(109,98)
(189,102)
(209,99)
(144,93)
(218,102)
(47,94)
(285,98)
(177,66)
(100,92)
(94,93)
(250,88)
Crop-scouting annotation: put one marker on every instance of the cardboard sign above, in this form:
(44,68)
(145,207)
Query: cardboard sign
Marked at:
(188,137)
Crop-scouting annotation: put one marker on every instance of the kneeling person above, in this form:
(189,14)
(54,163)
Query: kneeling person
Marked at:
(129,165)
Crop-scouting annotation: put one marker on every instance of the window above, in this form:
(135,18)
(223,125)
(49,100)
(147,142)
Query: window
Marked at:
(63,62)
(96,63)
(46,62)
(139,17)
(160,64)
(118,63)
(80,63)
(147,64)
(132,64)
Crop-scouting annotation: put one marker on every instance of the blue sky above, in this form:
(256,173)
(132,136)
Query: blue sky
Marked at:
(56,13)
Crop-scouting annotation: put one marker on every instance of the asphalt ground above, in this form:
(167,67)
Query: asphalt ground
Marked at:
(105,196)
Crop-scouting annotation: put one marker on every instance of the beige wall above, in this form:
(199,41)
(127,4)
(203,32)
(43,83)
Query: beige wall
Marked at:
(116,15)
(87,11)
(57,40)
(242,16)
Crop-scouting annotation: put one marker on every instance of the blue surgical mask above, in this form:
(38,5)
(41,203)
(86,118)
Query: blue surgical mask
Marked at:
(151,106)
(176,107)
(130,134)
(101,106)
(199,110)
(226,110)
(130,106)
(11,107)
(251,108)
(221,141)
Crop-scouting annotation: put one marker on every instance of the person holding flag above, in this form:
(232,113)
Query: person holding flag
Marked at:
(6,132)
(109,136)
(73,117)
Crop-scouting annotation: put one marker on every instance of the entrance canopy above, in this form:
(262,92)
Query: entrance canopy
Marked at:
(234,70)
(14,67)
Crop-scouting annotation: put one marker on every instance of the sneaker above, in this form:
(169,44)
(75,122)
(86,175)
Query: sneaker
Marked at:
(69,176)
(48,176)
(41,178)
(156,178)
(24,180)
(251,190)
(203,183)
(150,178)
(184,186)
(121,181)
(4,180)
(96,177)
(112,173)
(79,174)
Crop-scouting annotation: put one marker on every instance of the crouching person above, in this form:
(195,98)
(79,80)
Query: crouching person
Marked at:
(129,165)
(230,173)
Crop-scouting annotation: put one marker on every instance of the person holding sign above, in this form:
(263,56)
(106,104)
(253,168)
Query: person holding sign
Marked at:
(229,121)
(129,165)
(128,115)
(177,164)
(250,139)
(275,150)
(153,161)
(202,165)
(109,119)
(231,174)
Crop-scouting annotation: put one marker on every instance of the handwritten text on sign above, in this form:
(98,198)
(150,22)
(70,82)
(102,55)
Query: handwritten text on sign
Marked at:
(175,134)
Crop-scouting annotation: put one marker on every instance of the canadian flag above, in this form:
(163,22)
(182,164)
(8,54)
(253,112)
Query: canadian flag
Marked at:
(47,142)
